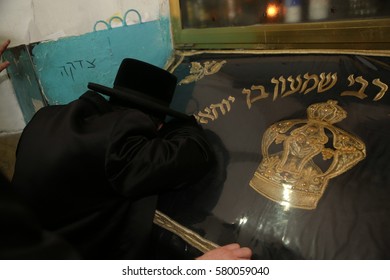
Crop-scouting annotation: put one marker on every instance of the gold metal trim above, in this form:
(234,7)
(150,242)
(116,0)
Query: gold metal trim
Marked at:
(292,51)
(179,55)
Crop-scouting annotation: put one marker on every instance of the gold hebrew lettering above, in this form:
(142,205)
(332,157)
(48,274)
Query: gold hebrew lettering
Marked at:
(263,94)
(224,104)
(231,98)
(293,88)
(276,88)
(214,107)
(211,112)
(248,97)
(383,88)
(281,80)
(204,117)
(327,82)
(308,77)
(359,94)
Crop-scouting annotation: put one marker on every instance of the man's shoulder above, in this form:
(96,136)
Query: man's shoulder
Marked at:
(88,99)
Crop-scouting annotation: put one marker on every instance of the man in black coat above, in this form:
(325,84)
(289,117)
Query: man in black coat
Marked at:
(92,169)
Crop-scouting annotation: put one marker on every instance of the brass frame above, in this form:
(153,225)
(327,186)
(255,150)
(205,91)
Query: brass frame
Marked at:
(368,34)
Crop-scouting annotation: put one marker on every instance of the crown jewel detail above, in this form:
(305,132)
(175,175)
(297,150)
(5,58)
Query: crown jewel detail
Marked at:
(298,173)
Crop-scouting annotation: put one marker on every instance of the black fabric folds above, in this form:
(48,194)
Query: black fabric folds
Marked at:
(92,173)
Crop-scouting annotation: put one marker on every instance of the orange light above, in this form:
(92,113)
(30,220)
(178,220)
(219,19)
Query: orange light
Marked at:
(272,10)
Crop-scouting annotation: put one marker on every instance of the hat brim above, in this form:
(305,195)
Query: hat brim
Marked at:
(137,98)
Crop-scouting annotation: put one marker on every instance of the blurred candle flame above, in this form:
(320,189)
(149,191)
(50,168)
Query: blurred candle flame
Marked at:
(272,10)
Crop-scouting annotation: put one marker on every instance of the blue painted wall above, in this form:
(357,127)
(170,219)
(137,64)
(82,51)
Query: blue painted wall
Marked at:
(64,67)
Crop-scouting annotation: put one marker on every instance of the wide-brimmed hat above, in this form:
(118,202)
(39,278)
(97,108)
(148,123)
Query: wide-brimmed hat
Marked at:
(142,85)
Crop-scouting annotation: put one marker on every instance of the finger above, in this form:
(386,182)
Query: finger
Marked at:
(4,46)
(232,246)
(243,253)
(3,65)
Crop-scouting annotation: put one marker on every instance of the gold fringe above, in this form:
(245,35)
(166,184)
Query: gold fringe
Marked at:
(287,51)
(184,233)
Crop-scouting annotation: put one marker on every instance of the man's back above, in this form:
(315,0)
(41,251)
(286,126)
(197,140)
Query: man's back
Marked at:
(91,173)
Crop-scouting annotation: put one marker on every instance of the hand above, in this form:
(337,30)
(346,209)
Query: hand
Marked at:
(228,252)
(3,47)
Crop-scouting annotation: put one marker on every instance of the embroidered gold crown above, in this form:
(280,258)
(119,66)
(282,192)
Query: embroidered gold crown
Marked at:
(294,175)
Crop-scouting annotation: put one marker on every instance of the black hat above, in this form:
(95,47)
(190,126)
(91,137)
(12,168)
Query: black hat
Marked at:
(142,85)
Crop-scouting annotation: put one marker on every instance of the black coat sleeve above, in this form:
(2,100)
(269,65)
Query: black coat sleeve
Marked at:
(143,161)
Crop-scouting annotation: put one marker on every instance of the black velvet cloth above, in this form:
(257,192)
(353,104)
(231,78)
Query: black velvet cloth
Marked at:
(91,172)
(255,91)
